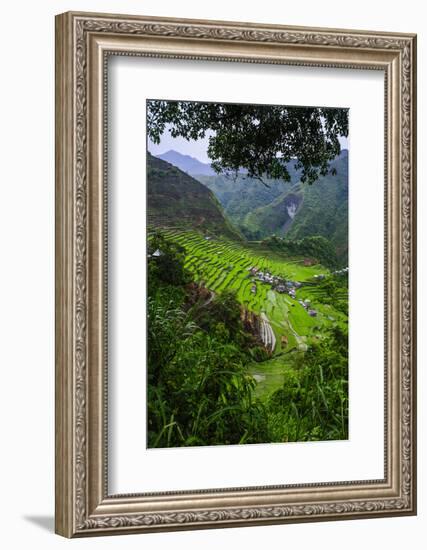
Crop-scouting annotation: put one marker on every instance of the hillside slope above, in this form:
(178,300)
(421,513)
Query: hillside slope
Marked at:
(308,210)
(175,199)
(242,195)
(302,210)
(286,209)
(237,196)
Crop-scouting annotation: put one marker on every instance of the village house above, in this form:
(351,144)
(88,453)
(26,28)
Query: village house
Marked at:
(342,271)
(277,283)
(306,305)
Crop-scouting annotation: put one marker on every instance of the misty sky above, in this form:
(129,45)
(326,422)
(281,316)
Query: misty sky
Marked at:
(195,149)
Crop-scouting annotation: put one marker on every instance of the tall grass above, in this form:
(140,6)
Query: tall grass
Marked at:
(199,389)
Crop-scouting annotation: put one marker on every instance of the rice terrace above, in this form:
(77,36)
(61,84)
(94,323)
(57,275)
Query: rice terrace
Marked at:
(247,276)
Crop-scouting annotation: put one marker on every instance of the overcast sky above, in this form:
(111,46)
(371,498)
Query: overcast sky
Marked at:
(195,149)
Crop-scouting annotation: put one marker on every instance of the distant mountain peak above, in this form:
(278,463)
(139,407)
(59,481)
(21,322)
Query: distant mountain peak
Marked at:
(177,154)
(187,163)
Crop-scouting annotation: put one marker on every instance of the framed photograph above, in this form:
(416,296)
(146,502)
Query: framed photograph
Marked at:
(235,274)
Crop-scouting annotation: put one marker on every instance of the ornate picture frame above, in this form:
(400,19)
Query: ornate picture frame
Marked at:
(84,42)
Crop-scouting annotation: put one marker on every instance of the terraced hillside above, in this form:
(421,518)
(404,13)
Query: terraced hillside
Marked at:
(290,298)
(289,320)
(175,198)
(287,209)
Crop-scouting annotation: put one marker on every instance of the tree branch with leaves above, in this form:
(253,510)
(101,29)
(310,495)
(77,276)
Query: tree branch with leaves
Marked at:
(261,140)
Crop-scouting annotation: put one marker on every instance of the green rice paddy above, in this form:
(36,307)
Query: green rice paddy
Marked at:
(222,264)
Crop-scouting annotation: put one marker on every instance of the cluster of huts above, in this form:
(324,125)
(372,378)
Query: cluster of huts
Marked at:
(306,304)
(342,271)
(280,285)
(277,283)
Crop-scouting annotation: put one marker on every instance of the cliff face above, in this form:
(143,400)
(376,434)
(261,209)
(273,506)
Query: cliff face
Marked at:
(303,210)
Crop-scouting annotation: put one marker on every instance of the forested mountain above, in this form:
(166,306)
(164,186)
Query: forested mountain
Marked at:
(324,210)
(320,209)
(287,209)
(242,195)
(247,338)
(238,196)
(176,199)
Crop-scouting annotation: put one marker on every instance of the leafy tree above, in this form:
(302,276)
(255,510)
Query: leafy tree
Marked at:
(334,291)
(224,310)
(165,261)
(261,139)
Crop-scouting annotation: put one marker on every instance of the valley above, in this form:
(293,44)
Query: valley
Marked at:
(247,279)
(285,324)
(283,208)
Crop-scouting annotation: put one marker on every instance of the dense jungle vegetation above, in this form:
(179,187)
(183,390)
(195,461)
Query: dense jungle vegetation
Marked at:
(201,390)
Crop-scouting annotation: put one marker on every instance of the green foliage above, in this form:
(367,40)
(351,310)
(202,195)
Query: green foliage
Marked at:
(200,390)
(324,210)
(318,248)
(225,310)
(166,261)
(166,323)
(321,210)
(176,199)
(207,393)
(312,405)
(262,139)
(332,291)
(222,265)
(241,195)
(202,279)
(260,212)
